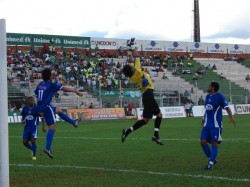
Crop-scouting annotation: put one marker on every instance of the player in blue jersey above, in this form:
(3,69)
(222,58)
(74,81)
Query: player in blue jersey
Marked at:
(212,123)
(30,117)
(44,92)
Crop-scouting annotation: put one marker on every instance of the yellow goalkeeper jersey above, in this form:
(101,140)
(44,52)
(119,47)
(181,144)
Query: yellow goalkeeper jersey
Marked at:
(140,78)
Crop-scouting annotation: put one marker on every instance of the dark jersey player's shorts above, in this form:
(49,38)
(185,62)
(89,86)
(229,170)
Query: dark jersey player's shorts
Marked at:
(150,105)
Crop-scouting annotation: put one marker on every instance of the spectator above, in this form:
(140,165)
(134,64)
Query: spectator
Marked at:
(57,98)
(201,101)
(192,90)
(248,78)
(130,108)
(91,105)
(186,93)
(125,105)
(196,76)
(209,67)
(214,67)
(164,76)
(116,105)
(222,76)
(187,109)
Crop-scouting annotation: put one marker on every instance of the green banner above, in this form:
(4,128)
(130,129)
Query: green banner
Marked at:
(40,40)
(15,117)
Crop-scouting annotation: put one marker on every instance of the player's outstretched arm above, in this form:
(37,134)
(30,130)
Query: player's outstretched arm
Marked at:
(68,89)
(231,116)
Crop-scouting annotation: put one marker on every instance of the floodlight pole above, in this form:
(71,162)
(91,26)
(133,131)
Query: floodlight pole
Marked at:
(4,141)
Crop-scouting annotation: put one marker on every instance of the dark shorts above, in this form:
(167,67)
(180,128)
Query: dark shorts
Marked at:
(50,115)
(30,132)
(150,106)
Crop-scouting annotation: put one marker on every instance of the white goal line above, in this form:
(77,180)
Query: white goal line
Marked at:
(136,171)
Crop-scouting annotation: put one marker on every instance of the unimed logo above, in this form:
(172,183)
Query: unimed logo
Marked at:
(243,109)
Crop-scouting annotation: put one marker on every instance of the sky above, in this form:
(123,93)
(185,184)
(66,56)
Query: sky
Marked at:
(222,21)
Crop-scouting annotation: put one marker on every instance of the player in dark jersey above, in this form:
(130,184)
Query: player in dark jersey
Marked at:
(212,123)
(144,83)
(30,117)
(44,92)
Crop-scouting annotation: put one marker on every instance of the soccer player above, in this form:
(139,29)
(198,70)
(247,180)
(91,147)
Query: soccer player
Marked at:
(212,123)
(30,117)
(143,81)
(44,93)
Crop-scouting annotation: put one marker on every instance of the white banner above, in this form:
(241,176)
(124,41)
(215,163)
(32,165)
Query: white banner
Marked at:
(200,110)
(104,43)
(236,49)
(171,46)
(197,47)
(217,48)
(176,46)
(167,112)
(150,45)
(242,109)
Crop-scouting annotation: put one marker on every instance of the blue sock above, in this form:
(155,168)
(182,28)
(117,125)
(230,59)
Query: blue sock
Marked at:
(28,146)
(207,150)
(214,153)
(49,139)
(34,149)
(67,118)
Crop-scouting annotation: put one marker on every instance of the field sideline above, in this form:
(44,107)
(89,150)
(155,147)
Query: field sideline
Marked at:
(93,155)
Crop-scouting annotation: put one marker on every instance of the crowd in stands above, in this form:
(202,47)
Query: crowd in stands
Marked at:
(92,72)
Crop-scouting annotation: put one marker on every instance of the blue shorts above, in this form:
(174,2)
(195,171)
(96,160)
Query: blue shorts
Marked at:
(49,115)
(30,132)
(211,134)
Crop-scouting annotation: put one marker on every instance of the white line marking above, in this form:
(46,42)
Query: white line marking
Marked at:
(137,171)
(143,139)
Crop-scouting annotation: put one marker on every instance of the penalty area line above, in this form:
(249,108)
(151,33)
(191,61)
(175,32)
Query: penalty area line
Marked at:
(136,171)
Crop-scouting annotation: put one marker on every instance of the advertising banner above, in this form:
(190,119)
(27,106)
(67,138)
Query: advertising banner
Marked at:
(236,49)
(217,48)
(176,46)
(196,47)
(242,109)
(97,114)
(199,111)
(151,45)
(104,43)
(40,40)
(167,112)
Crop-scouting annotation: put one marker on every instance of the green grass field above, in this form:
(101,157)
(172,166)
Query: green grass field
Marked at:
(93,156)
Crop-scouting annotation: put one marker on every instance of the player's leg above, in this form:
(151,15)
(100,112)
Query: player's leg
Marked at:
(137,125)
(49,117)
(156,137)
(26,137)
(215,134)
(65,117)
(33,142)
(204,142)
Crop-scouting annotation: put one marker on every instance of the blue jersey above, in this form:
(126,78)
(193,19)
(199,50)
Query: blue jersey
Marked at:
(45,92)
(30,115)
(214,104)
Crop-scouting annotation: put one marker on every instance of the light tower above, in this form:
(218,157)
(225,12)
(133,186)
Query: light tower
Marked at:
(197,37)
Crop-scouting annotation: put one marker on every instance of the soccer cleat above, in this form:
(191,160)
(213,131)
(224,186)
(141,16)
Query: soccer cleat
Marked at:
(210,165)
(48,152)
(124,136)
(33,158)
(77,122)
(157,140)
